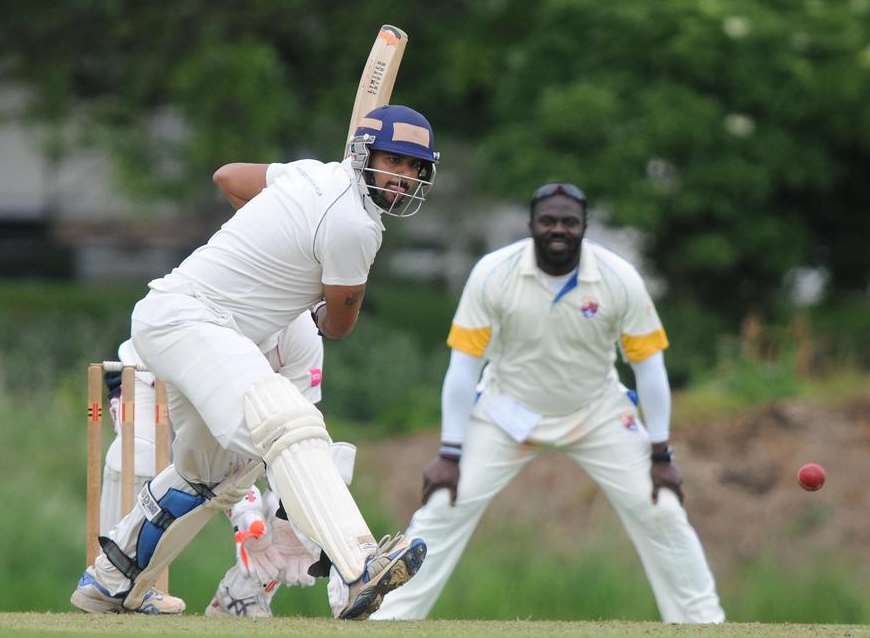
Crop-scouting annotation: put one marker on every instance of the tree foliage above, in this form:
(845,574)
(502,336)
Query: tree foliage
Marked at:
(734,133)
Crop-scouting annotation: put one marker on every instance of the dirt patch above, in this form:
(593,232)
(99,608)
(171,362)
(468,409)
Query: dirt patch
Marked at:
(740,480)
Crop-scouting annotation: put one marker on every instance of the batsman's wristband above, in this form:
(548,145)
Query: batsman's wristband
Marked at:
(314,310)
(665,456)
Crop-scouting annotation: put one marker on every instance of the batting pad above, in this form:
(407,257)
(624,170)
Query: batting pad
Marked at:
(291,435)
(182,530)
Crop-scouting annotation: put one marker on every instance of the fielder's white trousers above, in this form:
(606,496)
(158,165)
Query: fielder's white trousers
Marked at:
(617,458)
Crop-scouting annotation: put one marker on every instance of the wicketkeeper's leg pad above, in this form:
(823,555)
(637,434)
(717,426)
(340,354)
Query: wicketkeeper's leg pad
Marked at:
(291,435)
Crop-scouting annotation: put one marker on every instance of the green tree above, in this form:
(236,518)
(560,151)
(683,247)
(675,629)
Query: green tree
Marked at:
(174,91)
(735,133)
(732,132)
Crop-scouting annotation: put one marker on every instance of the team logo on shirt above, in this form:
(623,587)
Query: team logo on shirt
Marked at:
(629,421)
(589,307)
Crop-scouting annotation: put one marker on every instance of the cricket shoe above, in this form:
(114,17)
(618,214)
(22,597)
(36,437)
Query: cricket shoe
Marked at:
(93,598)
(393,564)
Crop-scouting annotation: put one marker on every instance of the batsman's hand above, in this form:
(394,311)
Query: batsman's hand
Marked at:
(668,476)
(441,473)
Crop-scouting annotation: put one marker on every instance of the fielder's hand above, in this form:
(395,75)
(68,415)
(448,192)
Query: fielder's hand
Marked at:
(668,476)
(441,473)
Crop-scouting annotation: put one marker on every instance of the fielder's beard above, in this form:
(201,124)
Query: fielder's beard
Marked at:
(557,261)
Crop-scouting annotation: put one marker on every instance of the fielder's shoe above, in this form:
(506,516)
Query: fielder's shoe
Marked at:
(393,564)
(93,598)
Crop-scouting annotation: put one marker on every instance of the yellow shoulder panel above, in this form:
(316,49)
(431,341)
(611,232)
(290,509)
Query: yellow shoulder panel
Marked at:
(471,341)
(640,347)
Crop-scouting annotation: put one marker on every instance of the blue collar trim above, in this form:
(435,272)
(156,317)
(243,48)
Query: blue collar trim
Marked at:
(570,285)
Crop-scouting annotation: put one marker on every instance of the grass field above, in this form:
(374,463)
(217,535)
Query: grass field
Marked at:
(32,625)
(47,334)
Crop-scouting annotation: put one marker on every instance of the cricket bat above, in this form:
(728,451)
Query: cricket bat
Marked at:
(378,76)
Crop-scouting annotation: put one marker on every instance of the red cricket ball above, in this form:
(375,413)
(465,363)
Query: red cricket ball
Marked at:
(811,477)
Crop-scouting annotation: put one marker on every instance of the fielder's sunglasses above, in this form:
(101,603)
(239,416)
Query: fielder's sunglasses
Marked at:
(558,188)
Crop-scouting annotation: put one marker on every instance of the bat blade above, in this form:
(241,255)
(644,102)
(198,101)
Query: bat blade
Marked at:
(378,76)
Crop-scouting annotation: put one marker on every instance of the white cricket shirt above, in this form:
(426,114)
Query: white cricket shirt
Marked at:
(554,352)
(269,262)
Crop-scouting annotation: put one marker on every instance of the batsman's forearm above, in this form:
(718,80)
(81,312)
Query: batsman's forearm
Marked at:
(336,315)
(328,328)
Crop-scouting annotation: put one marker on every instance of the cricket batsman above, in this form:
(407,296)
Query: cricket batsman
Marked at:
(303,243)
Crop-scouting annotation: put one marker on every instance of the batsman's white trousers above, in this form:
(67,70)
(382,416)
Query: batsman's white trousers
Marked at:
(608,441)
(208,366)
(195,349)
(295,353)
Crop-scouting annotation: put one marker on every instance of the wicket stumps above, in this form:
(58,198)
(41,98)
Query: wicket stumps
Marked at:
(128,425)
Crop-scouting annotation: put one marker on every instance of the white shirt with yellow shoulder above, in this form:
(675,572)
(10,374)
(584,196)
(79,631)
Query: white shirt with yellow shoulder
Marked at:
(551,353)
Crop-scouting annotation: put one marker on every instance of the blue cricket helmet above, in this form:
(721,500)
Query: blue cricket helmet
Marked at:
(399,129)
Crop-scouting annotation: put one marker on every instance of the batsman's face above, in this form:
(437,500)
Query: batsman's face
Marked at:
(399,173)
(557,227)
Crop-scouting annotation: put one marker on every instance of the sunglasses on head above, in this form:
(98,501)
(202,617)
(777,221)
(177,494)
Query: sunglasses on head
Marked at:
(558,188)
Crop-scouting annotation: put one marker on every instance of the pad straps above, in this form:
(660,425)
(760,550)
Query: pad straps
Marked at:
(201,489)
(119,559)
(157,515)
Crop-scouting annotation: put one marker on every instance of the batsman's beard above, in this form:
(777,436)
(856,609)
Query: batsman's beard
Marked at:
(390,198)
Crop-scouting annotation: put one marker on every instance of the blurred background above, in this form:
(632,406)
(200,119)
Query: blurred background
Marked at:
(725,149)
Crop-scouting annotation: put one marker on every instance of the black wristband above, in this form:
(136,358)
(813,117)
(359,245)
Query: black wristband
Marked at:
(665,456)
(450,452)
(314,311)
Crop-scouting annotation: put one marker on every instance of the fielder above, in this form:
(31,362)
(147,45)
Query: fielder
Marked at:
(306,241)
(546,314)
(278,557)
